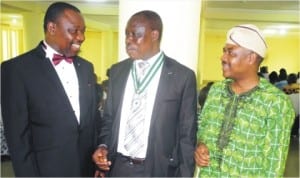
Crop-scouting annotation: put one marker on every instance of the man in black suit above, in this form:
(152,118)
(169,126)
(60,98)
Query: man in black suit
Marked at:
(162,97)
(49,102)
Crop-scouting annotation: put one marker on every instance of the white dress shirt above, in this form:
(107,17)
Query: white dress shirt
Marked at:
(68,77)
(151,95)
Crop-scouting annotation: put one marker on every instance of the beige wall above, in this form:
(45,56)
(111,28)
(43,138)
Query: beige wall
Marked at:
(100,48)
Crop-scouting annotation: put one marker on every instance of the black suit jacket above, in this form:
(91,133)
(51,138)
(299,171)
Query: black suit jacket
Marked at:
(172,136)
(43,135)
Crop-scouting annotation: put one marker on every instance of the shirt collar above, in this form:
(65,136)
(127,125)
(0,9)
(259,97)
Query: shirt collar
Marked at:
(151,60)
(49,50)
(260,85)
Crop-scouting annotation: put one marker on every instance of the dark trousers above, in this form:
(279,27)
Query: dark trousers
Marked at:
(123,167)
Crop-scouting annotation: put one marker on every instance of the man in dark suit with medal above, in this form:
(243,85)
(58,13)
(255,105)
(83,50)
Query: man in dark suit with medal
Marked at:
(149,124)
(48,100)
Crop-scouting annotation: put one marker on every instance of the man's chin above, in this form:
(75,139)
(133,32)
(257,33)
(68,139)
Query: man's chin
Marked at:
(73,53)
(133,57)
(77,52)
(227,77)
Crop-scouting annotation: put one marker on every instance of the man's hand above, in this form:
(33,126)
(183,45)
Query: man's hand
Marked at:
(99,174)
(100,159)
(201,155)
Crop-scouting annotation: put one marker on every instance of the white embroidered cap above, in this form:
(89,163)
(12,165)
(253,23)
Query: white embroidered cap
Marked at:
(248,36)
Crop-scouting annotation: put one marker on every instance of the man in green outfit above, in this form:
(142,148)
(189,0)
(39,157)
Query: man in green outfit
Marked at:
(244,127)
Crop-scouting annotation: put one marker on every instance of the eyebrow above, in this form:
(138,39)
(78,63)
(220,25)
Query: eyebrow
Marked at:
(229,48)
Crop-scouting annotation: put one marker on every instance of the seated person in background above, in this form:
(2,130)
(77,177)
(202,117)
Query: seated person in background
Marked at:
(292,89)
(273,77)
(282,79)
(292,86)
(264,72)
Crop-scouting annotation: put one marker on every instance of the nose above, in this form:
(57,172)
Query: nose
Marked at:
(80,36)
(223,57)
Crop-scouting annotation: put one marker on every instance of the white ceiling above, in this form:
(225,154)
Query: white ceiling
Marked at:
(102,12)
(219,15)
(266,14)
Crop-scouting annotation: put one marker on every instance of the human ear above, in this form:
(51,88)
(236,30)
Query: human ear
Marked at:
(154,35)
(51,28)
(253,58)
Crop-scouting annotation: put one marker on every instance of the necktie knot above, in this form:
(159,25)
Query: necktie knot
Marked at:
(143,64)
(58,58)
(143,67)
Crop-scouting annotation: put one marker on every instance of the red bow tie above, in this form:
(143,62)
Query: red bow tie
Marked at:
(58,58)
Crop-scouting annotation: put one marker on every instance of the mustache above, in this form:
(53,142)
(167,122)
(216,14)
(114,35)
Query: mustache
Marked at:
(131,47)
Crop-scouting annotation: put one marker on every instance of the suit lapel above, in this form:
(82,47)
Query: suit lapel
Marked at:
(84,86)
(51,75)
(122,77)
(163,88)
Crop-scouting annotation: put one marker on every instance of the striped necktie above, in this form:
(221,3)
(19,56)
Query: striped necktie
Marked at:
(134,141)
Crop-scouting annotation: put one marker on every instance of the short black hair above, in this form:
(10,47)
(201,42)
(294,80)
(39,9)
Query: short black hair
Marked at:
(292,78)
(282,74)
(273,77)
(153,19)
(55,10)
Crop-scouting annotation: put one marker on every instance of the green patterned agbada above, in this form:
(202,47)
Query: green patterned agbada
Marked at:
(248,134)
